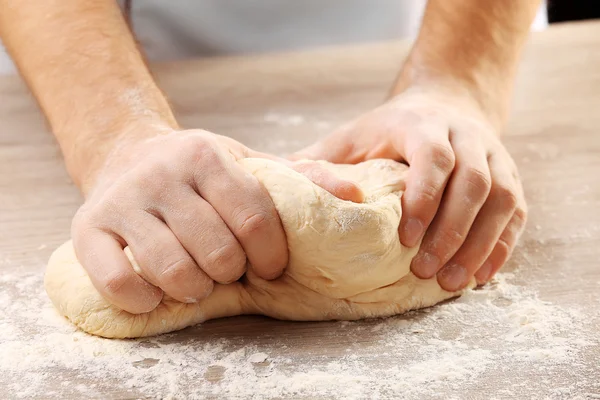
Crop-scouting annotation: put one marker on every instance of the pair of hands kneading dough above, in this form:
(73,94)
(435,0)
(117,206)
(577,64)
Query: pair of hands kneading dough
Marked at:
(346,262)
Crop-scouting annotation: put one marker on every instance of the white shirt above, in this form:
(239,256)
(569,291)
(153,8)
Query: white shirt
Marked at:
(180,29)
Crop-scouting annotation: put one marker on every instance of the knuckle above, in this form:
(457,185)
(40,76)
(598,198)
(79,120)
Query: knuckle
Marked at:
(86,222)
(81,223)
(226,263)
(449,239)
(202,150)
(520,217)
(442,156)
(115,281)
(428,193)
(156,171)
(502,250)
(148,180)
(479,180)
(176,273)
(251,223)
(506,197)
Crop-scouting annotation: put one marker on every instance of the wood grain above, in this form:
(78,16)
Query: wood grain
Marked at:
(281,102)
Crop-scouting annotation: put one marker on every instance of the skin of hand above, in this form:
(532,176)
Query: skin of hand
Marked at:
(464,200)
(463,195)
(188,212)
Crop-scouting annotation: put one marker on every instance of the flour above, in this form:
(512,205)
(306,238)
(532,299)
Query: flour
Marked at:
(287,126)
(287,139)
(258,358)
(295,120)
(439,352)
(347,219)
(284,119)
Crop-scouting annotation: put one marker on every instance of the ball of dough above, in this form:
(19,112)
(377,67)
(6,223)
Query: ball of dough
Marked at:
(346,262)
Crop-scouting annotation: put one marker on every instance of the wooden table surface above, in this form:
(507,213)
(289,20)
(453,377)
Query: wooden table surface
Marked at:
(532,334)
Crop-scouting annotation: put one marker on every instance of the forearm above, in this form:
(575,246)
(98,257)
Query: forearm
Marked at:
(83,66)
(471,46)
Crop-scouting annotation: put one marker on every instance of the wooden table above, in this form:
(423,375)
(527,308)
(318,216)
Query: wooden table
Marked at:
(534,333)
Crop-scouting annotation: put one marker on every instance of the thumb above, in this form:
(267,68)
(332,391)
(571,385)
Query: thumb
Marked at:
(321,176)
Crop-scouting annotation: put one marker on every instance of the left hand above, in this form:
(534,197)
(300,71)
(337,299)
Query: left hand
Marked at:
(463,198)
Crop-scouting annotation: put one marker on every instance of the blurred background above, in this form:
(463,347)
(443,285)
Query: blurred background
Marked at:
(184,29)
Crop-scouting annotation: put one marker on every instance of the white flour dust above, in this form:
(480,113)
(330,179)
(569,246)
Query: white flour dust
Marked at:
(287,138)
(284,119)
(502,332)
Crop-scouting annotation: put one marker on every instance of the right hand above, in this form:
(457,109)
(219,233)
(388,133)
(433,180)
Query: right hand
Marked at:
(190,214)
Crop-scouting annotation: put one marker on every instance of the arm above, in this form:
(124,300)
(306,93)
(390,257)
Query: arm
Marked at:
(471,46)
(82,64)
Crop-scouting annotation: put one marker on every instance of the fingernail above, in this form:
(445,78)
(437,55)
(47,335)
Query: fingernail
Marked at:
(483,274)
(412,232)
(426,265)
(452,277)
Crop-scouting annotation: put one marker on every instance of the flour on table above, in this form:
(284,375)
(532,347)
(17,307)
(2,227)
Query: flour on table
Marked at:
(413,356)
(295,120)
(284,119)
(258,357)
(288,125)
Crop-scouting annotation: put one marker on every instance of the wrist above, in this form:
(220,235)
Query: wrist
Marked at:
(98,152)
(473,48)
(490,97)
(118,115)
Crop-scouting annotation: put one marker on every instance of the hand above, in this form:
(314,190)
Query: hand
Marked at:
(463,197)
(190,214)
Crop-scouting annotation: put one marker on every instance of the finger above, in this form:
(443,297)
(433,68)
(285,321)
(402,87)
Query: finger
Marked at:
(486,230)
(340,188)
(431,159)
(504,247)
(241,151)
(343,189)
(112,275)
(206,237)
(247,209)
(164,261)
(467,191)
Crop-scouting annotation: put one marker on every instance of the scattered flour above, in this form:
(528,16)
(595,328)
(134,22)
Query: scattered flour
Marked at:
(258,357)
(295,120)
(284,119)
(287,138)
(503,333)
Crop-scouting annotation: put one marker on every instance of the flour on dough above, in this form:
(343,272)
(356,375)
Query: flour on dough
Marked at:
(346,262)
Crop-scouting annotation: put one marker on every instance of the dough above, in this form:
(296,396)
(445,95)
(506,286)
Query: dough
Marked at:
(346,262)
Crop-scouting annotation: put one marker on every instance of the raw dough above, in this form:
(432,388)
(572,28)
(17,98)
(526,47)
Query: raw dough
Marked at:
(346,262)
